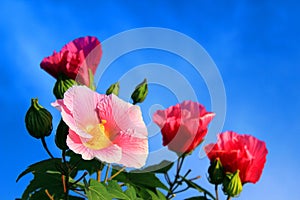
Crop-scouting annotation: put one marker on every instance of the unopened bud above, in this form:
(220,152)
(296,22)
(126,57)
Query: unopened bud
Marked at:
(216,172)
(140,92)
(232,185)
(113,89)
(38,120)
(62,84)
(62,132)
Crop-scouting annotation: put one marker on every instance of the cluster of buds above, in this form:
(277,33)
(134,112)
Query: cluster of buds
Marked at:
(232,185)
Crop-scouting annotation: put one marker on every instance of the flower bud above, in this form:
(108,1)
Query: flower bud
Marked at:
(62,132)
(140,92)
(232,185)
(62,84)
(38,120)
(113,89)
(216,172)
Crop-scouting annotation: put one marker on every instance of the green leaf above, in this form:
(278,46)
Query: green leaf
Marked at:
(148,194)
(42,181)
(160,195)
(41,194)
(91,166)
(42,166)
(130,192)
(148,180)
(97,191)
(197,198)
(153,195)
(116,191)
(163,167)
(197,187)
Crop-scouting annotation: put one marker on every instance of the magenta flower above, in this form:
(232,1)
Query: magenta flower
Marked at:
(104,127)
(75,59)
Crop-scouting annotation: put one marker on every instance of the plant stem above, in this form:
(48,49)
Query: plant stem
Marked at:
(229,197)
(174,184)
(106,173)
(83,175)
(66,180)
(49,195)
(99,175)
(116,174)
(84,196)
(46,147)
(216,190)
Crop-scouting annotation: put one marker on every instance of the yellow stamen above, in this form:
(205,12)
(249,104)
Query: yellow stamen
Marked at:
(99,138)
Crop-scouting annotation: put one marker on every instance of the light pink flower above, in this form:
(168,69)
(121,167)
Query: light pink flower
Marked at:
(104,127)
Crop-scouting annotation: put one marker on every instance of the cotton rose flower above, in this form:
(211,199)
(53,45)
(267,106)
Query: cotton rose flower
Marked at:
(75,59)
(104,127)
(183,126)
(239,152)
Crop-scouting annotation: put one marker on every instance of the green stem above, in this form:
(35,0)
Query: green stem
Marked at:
(229,197)
(83,175)
(106,173)
(175,183)
(46,147)
(216,190)
(117,173)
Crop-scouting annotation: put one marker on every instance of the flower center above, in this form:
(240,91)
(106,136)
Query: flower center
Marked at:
(99,139)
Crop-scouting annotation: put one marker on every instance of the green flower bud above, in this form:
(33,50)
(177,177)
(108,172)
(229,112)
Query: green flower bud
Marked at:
(62,132)
(38,120)
(62,84)
(140,92)
(216,172)
(113,89)
(232,185)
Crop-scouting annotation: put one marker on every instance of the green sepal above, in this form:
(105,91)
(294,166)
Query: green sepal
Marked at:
(113,89)
(232,185)
(140,92)
(38,120)
(216,172)
(63,83)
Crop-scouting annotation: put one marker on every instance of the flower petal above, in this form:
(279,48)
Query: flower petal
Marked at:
(134,149)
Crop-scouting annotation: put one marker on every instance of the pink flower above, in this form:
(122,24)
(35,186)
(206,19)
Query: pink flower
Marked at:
(239,152)
(183,126)
(104,127)
(75,59)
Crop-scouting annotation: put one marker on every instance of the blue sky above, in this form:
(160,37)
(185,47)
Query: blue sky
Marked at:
(255,45)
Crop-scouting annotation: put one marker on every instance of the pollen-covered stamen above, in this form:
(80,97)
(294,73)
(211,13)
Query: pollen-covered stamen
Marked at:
(99,138)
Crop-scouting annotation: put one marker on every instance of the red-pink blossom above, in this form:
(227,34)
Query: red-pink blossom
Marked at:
(183,126)
(75,59)
(104,126)
(239,152)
